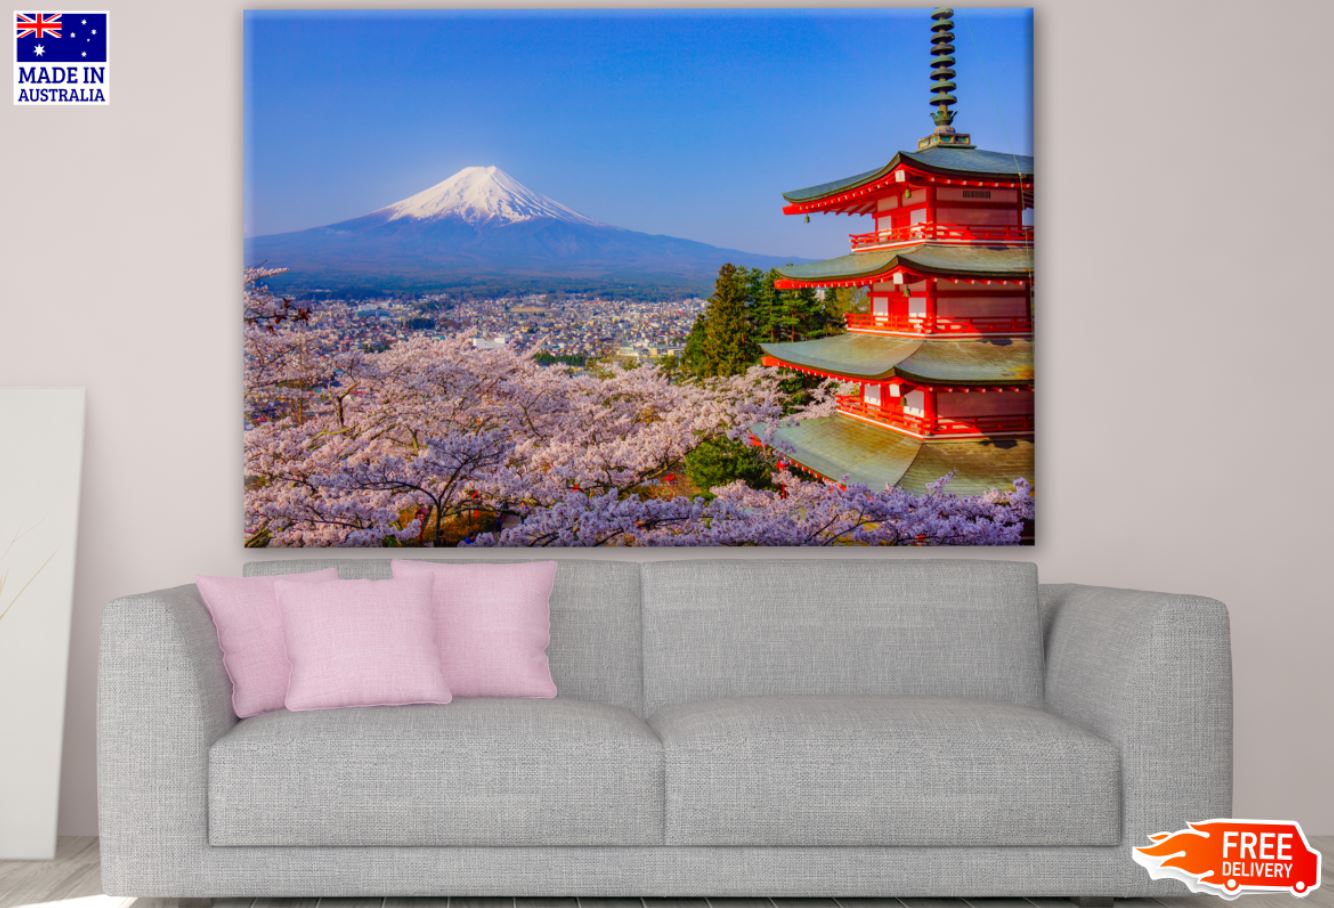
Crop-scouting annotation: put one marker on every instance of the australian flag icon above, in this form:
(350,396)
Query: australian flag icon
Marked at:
(60,37)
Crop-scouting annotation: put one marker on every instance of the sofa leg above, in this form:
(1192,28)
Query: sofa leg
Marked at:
(1093,901)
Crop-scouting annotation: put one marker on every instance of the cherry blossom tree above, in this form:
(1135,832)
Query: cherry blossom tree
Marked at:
(438,441)
(798,513)
(285,357)
(445,431)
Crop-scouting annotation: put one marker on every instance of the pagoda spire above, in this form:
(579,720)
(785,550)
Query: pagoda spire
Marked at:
(942,77)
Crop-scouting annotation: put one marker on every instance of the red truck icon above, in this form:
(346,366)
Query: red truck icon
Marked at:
(1230,857)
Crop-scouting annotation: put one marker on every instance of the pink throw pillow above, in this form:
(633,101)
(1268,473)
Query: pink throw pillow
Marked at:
(494,626)
(250,632)
(361,643)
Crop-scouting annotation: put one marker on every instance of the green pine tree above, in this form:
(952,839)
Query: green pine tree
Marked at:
(692,354)
(719,461)
(720,342)
(746,310)
(766,303)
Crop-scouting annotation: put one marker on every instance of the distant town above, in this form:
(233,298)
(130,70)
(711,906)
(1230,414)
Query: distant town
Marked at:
(558,328)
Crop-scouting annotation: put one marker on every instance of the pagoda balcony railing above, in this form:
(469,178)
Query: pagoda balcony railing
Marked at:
(950,233)
(908,324)
(987,424)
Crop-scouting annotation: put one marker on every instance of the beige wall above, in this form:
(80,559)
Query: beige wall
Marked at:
(1185,211)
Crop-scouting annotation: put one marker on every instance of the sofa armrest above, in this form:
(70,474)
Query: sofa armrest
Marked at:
(1152,673)
(163,698)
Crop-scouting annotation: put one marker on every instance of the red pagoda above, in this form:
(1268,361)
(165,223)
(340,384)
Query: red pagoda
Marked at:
(943,358)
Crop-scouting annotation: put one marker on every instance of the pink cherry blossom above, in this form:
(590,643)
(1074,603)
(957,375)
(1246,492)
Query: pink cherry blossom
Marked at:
(434,438)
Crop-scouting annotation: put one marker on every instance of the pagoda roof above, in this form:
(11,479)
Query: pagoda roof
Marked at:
(966,162)
(849,450)
(928,258)
(870,357)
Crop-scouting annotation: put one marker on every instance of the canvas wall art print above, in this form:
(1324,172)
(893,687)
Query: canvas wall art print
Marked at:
(639,277)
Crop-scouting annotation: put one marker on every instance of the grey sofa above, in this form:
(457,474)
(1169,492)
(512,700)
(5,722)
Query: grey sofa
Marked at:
(797,728)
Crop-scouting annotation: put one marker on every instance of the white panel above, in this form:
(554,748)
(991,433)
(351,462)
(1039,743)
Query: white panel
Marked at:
(917,216)
(871,395)
(917,306)
(880,305)
(41,454)
(914,403)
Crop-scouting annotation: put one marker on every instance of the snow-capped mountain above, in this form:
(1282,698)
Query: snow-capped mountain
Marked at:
(483,228)
(480,195)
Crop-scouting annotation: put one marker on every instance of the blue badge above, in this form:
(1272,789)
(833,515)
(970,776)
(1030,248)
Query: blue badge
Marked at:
(61,58)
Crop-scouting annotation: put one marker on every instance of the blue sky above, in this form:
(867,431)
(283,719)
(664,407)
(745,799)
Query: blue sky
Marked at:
(688,122)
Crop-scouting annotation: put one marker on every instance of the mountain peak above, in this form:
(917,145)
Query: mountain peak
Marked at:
(481,194)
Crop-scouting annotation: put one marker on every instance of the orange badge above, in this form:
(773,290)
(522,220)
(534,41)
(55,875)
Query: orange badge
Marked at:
(1229,857)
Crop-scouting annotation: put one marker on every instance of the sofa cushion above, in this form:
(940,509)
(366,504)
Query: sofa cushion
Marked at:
(361,643)
(883,627)
(884,771)
(595,650)
(476,772)
(250,633)
(493,625)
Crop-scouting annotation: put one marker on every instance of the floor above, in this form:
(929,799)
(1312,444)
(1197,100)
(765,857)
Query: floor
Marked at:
(73,880)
